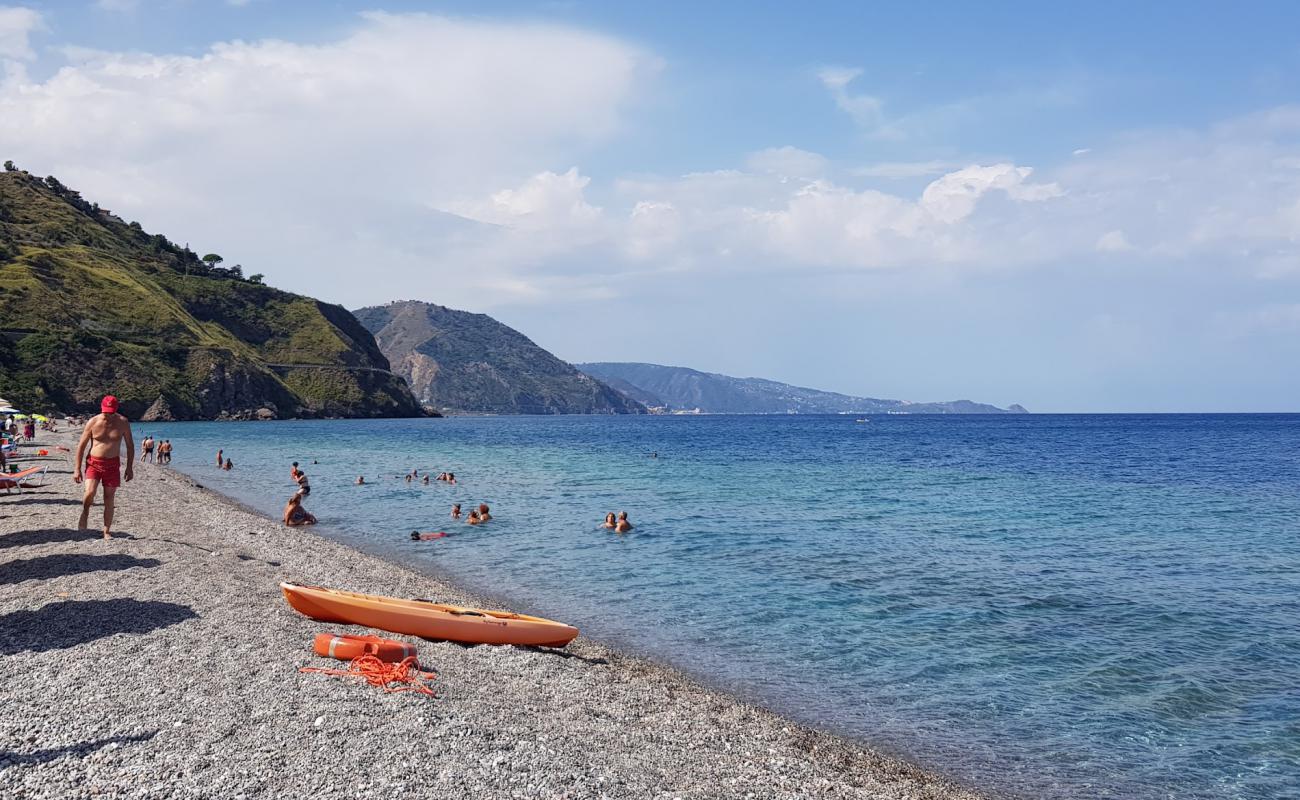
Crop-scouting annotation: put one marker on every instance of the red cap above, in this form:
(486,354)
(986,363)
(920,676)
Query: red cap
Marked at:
(108,405)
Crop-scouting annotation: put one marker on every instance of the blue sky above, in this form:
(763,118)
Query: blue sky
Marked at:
(1092,208)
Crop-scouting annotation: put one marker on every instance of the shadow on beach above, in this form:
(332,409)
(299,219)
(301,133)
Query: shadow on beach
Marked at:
(61,564)
(80,750)
(67,624)
(561,654)
(45,501)
(53,535)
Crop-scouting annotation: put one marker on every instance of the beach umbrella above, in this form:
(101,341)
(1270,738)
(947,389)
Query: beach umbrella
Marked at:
(40,418)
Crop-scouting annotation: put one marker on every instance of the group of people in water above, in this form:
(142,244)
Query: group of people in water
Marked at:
(295,515)
(618,524)
(164,450)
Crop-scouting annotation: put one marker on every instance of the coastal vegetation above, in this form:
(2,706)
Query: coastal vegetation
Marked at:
(90,303)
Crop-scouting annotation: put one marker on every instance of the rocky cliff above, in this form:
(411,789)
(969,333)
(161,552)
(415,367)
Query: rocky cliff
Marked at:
(91,304)
(458,361)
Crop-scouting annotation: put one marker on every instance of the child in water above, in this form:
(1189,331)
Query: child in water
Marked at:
(455,511)
(473,517)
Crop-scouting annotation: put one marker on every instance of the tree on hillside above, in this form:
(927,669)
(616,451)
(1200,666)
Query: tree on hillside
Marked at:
(256,277)
(212,259)
(9,167)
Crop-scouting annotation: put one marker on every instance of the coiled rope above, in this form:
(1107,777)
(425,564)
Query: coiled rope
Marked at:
(381,673)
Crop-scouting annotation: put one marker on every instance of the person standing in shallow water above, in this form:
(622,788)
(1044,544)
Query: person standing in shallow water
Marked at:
(104,434)
(220,462)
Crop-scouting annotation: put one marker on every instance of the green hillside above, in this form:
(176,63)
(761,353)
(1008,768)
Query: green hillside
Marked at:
(90,304)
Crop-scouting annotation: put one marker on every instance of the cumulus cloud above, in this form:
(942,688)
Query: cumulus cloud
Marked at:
(953,197)
(17,24)
(321,158)
(544,202)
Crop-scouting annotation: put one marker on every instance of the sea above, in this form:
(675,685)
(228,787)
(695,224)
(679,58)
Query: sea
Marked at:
(1051,606)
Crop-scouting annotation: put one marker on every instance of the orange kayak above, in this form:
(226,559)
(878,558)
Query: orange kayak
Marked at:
(426,619)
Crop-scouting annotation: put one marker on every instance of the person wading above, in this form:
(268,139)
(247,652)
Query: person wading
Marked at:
(104,434)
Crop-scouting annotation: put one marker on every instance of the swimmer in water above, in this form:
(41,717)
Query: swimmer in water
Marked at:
(409,478)
(609,520)
(295,515)
(622,525)
(361,480)
(426,479)
(416,536)
(473,517)
(455,511)
(229,465)
(483,514)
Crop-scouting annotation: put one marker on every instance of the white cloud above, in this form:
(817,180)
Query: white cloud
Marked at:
(313,160)
(953,197)
(543,202)
(17,24)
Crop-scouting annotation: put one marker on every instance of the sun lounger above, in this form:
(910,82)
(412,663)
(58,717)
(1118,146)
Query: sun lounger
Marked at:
(17,480)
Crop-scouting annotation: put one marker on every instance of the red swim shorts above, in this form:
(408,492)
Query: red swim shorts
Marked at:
(107,471)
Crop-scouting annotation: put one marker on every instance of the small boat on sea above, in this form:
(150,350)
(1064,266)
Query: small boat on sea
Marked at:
(425,618)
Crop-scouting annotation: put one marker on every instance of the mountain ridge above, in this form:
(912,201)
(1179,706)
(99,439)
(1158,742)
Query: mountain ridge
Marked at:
(684,389)
(461,361)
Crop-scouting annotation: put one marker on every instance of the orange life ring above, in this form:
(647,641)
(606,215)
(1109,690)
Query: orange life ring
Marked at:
(346,648)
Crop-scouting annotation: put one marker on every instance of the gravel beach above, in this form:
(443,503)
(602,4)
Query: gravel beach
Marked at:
(164,663)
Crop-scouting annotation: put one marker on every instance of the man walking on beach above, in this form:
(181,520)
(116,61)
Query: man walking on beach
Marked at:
(104,434)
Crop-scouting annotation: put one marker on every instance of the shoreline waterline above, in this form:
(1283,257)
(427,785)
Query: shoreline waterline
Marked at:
(192,584)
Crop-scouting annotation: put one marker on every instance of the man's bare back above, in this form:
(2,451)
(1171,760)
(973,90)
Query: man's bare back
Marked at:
(104,435)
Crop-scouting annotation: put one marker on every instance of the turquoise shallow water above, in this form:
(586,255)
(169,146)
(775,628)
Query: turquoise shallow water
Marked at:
(1051,606)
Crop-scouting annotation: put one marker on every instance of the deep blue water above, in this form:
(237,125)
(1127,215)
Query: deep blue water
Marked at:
(1052,606)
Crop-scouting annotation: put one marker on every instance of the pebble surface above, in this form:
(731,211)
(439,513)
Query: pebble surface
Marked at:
(163,663)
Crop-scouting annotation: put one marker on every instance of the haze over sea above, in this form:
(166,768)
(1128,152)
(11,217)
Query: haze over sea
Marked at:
(1055,606)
